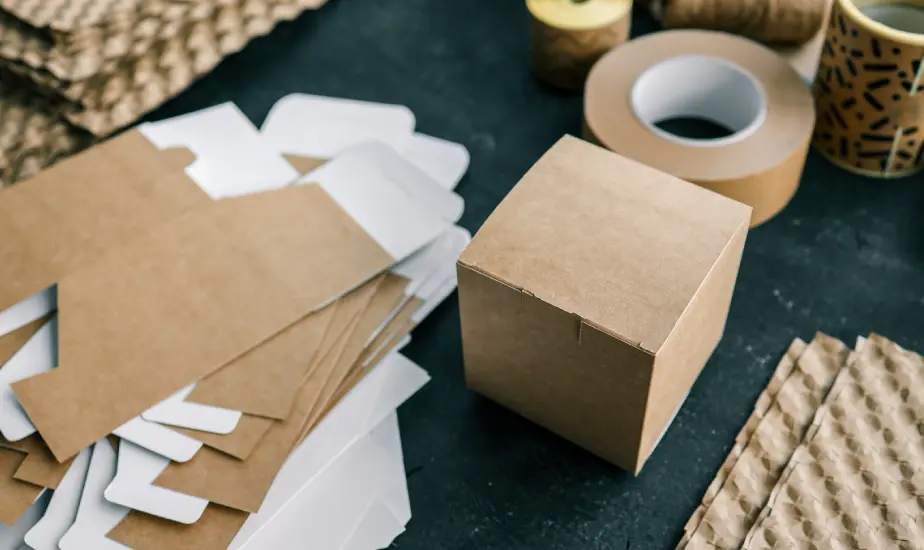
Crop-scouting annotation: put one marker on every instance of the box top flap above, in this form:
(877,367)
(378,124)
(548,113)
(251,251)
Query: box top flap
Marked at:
(619,244)
(72,212)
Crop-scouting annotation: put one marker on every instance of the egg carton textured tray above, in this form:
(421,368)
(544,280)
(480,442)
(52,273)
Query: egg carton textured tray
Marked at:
(765,445)
(857,479)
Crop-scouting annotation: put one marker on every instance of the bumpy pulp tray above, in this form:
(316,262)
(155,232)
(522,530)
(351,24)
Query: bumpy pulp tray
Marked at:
(857,480)
(763,448)
(832,457)
(111,101)
(32,136)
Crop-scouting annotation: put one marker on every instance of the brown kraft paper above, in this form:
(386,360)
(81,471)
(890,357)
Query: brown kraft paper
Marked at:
(759,165)
(855,481)
(39,466)
(770,441)
(212,284)
(780,375)
(393,331)
(114,100)
(250,431)
(217,526)
(303,164)
(243,485)
(870,111)
(265,380)
(73,212)
(391,335)
(15,496)
(32,134)
(383,306)
(12,342)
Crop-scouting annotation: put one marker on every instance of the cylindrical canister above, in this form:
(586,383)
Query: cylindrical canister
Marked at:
(569,36)
(868,88)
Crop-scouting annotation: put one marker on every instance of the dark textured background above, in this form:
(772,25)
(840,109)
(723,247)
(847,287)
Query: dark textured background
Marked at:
(845,258)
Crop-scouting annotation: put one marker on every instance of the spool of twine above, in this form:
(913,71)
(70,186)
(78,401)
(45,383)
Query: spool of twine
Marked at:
(768,21)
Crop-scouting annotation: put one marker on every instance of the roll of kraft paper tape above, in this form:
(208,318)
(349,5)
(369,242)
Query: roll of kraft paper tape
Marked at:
(868,88)
(569,36)
(728,80)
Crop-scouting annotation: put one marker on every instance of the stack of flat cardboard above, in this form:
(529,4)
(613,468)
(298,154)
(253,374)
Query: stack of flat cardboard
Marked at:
(831,456)
(200,344)
(94,66)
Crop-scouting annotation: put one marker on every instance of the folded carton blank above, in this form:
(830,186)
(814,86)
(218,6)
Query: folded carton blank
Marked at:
(211,285)
(594,295)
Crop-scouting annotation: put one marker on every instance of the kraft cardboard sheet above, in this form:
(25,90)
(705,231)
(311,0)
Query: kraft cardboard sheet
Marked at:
(32,133)
(175,328)
(830,455)
(856,479)
(113,83)
(70,70)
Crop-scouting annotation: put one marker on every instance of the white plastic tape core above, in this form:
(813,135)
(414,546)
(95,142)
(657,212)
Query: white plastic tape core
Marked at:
(700,86)
(900,17)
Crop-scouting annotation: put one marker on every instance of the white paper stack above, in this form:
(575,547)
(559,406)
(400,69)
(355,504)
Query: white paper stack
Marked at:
(187,472)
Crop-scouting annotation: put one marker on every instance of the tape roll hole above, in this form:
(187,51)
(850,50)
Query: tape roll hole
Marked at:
(701,88)
(901,17)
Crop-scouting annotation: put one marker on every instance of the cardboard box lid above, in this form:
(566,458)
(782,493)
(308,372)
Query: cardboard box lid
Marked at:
(620,245)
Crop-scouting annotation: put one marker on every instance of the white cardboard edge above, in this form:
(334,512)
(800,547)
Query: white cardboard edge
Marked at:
(398,222)
(322,127)
(391,165)
(420,265)
(37,356)
(323,513)
(439,293)
(377,529)
(132,487)
(62,509)
(159,439)
(445,161)
(175,411)
(395,390)
(326,511)
(442,292)
(427,262)
(339,429)
(232,158)
(403,342)
(425,265)
(11,536)
(96,516)
(32,308)
(395,496)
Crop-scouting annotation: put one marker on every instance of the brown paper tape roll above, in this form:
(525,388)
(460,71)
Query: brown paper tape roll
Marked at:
(569,36)
(867,91)
(726,79)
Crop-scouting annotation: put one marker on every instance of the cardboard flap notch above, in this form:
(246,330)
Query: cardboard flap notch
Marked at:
(178,158)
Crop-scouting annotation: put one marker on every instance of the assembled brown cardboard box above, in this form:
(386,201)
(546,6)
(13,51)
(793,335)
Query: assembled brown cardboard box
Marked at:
(594,295)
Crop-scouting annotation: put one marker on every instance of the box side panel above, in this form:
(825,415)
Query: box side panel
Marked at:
(690,344)
(549,367)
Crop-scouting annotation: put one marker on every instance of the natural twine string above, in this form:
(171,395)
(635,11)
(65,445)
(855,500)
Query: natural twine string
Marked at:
(768,21)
